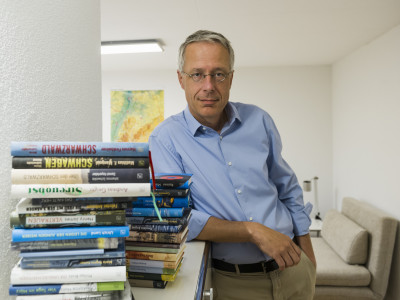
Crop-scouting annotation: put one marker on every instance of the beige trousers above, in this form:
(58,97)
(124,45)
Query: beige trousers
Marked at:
(294,283)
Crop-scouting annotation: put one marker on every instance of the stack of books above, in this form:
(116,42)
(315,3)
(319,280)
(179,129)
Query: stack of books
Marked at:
(156,243)
(70,225)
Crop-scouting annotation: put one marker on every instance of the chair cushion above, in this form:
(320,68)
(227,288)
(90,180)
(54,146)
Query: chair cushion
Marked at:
(348,239)
(333,271)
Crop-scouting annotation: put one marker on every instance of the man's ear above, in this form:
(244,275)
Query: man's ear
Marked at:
(180,78)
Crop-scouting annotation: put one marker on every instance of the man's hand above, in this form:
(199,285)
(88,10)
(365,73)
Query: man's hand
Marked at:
(275,244)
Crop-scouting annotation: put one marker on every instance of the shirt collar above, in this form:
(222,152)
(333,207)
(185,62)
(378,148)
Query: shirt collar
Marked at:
(194,125)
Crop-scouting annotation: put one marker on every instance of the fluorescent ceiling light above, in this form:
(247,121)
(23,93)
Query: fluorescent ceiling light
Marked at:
(135,46)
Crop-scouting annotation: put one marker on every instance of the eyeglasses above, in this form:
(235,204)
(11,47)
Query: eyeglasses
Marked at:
(198,76)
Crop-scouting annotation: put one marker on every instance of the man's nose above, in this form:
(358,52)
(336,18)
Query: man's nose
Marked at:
(208,82)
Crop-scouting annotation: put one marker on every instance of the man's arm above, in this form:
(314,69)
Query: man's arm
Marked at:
(275,244)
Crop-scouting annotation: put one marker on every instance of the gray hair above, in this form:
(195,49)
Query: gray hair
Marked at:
(205,36)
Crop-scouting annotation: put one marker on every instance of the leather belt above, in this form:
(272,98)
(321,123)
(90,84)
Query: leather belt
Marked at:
(262,266)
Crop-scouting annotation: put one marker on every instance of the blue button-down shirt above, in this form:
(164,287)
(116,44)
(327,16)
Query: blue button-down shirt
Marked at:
(238,175)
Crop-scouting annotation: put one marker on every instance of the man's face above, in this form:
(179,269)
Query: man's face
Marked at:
(206,98)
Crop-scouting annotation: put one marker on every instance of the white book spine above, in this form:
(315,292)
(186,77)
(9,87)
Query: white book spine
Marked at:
(73,275)
(80,190)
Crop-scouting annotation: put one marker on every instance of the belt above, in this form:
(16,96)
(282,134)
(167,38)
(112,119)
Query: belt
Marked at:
(262,266)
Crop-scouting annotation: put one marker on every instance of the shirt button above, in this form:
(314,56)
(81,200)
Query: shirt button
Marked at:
(220,137)
(230,163)
(251,218)
(239,191)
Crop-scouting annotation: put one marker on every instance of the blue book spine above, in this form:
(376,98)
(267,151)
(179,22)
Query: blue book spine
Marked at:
(151,212)
(68,233)
(79,149)
(161,202)
(20,290)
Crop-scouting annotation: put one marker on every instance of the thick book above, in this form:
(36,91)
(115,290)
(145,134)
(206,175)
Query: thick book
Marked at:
(80,190)
(53,148)
(80,201)
(155,255)
(43,289)
(169,221)
(153,276)
(72,263)
(157,237)
(171,192)
(151,212)
(157,284)
(66,244)
(26,206)
(69,233)
(172,181)
(167,202)
(74,275)
(68,219)
(70,162)
(79,176)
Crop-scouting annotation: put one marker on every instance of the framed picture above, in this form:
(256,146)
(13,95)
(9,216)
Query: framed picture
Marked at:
(135,114)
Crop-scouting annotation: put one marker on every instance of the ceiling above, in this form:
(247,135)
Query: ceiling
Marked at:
(262,32)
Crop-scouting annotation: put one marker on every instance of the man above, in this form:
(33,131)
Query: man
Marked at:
(246,198)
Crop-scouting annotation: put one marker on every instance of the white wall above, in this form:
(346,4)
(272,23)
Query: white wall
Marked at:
(50,83)
(366,130)
(298,98)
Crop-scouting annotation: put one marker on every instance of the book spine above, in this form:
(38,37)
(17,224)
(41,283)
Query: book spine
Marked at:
(151,255)
(151,276)
(151,212)
(157,237)
(16,290)
(152,249)
(76,275)
(70,162)
(28,208)
(151,263)
(164,271)
(89,218)
(81,201)
(73,263)
(156,228)
(166,202)
(156,221)
(171,192)
(158,284)
(79,176)
(70,244)
(79,149)
(74,296)
(80,190)
(69,233)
